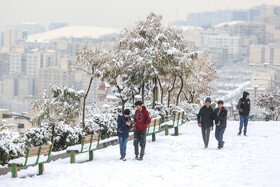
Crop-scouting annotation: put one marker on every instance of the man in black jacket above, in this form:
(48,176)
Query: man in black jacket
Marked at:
(244,107)
(205,119)
(220,116)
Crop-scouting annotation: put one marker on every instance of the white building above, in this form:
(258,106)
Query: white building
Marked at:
(33,62)
(15,63)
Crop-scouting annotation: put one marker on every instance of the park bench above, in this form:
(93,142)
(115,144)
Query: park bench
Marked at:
(90,143)
(35,152)
(177,121)
(154,127)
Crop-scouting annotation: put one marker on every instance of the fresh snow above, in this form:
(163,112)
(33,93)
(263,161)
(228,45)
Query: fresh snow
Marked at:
(173,161)
(73,31)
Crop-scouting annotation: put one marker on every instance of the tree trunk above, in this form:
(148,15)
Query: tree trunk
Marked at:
(84,104)
(123,101)
(155,92)
(52,124)
(169,92)
(143,93)
(180,91)
(161,91)
(133,97)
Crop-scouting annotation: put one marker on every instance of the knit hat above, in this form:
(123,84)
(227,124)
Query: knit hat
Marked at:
(126,112)
(207,100)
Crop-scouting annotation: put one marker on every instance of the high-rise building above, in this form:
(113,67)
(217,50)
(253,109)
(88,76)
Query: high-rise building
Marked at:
(15,63)
(10,37)
(265,54)
(33,62)
(4,64)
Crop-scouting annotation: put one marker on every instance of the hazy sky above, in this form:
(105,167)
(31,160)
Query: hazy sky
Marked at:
(109,13)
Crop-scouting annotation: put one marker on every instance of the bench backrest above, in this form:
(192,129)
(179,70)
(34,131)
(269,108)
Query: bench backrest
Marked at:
(38,151)
(154,126)
(92,140)
(151,126)
(178,117)
(157,125)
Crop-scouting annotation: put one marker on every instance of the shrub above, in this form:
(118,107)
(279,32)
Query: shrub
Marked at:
(10,147)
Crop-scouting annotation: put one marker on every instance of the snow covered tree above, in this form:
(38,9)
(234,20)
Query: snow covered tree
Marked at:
(154,49)
(198,84)
(270,102)
(89,61)
(58,105)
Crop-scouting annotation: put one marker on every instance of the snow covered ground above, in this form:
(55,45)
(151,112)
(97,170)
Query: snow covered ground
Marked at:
(173,161)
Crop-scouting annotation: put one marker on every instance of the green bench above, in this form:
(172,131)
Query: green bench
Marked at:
(33,152)
(177,121)
(87,146)
(154,127)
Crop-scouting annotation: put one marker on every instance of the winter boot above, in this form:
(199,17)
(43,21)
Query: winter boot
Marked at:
(239,133)
(123,159)
(206,146)
(140,159)
(136,157)
(245,134)
(219,148)
(223,143)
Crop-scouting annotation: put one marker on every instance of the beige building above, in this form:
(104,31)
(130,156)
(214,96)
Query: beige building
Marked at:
(18,87)
(265,54)
(11,37)
(17,123)
(51,75)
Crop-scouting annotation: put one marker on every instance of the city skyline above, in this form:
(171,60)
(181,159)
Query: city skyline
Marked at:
(97,13)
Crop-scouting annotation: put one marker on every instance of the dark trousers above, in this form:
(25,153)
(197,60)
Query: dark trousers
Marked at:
(243,120)
(219,133)
(139,137)
(205,134)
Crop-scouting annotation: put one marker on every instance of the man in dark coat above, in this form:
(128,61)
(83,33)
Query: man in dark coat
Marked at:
(205,119)
(141,120)
(244,107)
(124,125)
(220,116)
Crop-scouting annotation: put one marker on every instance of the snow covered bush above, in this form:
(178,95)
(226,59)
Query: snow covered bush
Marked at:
(10,147)
(38,136)
(64,136)
(160,110)
(105,123)
(191,110)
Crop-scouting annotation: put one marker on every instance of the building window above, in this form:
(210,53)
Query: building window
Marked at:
(20,125)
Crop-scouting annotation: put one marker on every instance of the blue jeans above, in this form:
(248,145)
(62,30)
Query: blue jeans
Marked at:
(219,133)
(123,142)
(243,120)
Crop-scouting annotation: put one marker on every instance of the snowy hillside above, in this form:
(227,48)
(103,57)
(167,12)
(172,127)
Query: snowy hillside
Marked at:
(73,31)
(173,161)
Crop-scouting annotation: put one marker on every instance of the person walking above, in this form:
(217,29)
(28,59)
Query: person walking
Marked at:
(244,107)
(205,119)
(124,125)
(220,116)
(141,120)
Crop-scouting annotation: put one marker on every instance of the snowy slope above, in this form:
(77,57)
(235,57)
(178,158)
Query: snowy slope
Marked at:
(173,161)
(73,31)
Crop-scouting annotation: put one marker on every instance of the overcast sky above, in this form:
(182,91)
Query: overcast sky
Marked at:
(109,13)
